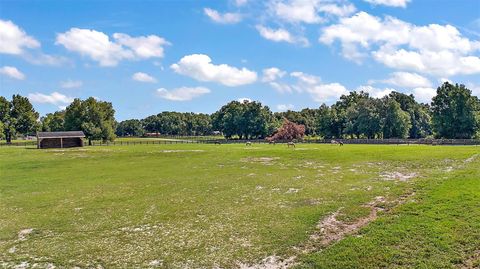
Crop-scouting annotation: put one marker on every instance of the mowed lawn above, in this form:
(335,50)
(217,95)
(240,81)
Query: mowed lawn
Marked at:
(229,206)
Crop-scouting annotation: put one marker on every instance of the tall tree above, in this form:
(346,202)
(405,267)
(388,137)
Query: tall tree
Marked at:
(24,114)
(454,112)
(129,128)
(95,118)
(17,116)
(53,122)
(396,122)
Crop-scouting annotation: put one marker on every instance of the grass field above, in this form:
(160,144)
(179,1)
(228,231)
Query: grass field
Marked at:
(230,206)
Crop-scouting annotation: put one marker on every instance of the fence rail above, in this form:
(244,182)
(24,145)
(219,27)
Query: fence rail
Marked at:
(192,140)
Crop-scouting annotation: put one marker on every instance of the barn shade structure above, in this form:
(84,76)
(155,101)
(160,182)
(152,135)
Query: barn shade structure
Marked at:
(60,139)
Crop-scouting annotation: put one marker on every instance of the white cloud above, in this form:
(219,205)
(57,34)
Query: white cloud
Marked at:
(40,58)
(143,77)
(240,3)
(375,92)
(143,46)
(327,92)
(281,35)
(424,95)
(54,98)
(226,18)
(12,72)
(433,49)
(281,87)
(285,107)
(182,94)
(244,99)
(13,39)
(271,74)
(71,84)
(320,92)
(200,67)
(98,46)
(308,11)
(392,3)
(407,80)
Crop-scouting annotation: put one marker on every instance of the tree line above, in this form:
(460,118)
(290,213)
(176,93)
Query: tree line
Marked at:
(453,113)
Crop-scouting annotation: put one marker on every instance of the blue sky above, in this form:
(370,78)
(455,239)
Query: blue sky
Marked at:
(151,56)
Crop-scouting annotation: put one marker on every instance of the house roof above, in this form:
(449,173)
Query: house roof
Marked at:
(67,134)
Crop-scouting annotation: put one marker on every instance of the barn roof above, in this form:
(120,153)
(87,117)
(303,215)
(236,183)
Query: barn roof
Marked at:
(60,134)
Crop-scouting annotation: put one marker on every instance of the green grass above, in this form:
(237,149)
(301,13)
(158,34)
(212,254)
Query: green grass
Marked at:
(197,205)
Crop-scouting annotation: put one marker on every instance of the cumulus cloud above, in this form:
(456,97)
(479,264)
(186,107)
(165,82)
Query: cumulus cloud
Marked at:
(143,77)
(309,11)
(240,3)
(244,99)
(285,107)
(407,80)
(226,18)
(433,49)
(313,85)
(272,74)
(424,95)
(143,46)
(99,47)
(12,72)
(182,94)
(281,35)
(200,67)
(375,92)
(13,39)
(71,84)
(391,3)
(54,98)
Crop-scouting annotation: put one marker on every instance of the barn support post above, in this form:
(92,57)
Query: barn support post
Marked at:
(61,142)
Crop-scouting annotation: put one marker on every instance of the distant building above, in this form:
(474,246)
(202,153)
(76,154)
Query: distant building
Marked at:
(68,139)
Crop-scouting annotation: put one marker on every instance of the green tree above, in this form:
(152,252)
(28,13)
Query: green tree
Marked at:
(130,128)
(246,120)
(95,118)
(24,114)
(396,122)
(53,122)
(17,117)
(454,112)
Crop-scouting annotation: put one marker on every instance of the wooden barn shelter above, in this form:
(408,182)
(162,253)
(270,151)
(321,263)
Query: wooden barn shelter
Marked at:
(68,139)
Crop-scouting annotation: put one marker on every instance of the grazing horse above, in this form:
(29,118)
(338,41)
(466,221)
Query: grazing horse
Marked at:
(290,144)
(337,142)
(272,142)
(248,143)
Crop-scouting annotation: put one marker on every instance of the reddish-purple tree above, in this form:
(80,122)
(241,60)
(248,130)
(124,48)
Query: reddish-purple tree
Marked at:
(288,131)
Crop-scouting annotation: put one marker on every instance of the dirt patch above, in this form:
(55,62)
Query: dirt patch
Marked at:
(261,160)
(398,176)
(472,262)
(181,150)
(471,159)
(270,262)
(331,229)
(23,234)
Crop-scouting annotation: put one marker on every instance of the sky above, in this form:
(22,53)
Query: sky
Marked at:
(195,56)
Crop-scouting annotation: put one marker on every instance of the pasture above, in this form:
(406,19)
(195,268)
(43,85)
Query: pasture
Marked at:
(238,206)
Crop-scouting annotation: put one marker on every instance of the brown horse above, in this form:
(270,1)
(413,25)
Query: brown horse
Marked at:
(290,144)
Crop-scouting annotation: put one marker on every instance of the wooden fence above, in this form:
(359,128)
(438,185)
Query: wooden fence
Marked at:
(192,140)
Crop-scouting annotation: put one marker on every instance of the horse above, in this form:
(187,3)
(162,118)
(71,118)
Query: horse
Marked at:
(337,142)
(217,143)
(290,144)
(248,143)
(271,142)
